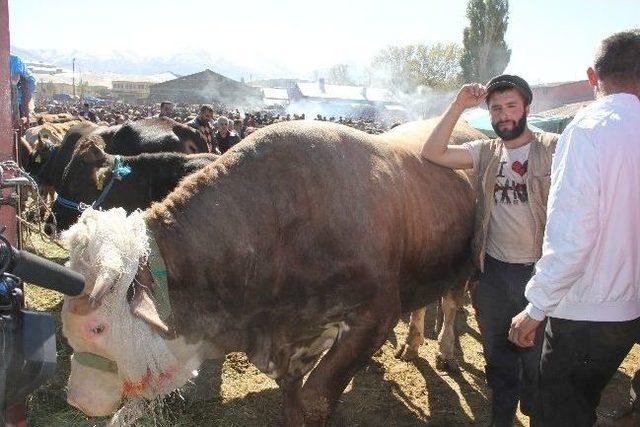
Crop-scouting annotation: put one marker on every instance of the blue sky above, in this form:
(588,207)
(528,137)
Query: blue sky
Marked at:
(550,40)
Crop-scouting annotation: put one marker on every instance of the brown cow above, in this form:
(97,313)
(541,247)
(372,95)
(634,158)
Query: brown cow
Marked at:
(51,132)
(42,118)
(305,237)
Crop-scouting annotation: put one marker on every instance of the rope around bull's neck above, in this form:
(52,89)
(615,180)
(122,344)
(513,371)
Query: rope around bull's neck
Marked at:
(119,171)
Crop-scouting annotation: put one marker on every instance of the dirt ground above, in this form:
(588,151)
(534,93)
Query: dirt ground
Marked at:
(386,392)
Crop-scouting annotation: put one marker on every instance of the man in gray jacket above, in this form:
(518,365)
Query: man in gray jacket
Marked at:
(587,282)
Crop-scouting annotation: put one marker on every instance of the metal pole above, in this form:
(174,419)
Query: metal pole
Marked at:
(15,415)
(7,214)
(73,76)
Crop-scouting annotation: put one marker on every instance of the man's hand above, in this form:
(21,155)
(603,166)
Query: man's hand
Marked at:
(470,95)
(523,330)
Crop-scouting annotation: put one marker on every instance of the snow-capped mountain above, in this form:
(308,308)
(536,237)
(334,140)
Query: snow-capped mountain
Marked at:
(180,63)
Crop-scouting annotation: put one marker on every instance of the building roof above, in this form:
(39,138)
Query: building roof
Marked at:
(205,86)
(275,83)
(196,79)
(556,84)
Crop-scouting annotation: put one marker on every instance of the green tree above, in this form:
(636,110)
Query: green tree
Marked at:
(410,66)
(486,54)
(339,75)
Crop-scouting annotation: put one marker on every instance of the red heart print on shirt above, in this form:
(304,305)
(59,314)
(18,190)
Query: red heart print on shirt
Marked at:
(520,168)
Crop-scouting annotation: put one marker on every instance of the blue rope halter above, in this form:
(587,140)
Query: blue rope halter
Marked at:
(119,171)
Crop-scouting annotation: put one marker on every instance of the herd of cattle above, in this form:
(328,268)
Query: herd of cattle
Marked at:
(300,246)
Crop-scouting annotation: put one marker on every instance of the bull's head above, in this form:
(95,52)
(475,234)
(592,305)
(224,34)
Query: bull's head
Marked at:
(121,346)
(82,181)
(39,155)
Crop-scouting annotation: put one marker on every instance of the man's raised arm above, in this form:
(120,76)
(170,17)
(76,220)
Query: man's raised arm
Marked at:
(437,148)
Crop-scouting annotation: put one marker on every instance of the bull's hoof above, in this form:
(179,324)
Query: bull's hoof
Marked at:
(406,352)
(444,364)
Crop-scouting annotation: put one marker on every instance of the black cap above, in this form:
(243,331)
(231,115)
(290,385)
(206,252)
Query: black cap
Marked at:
(505,81)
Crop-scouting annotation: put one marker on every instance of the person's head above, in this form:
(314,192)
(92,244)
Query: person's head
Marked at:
(222,125)
(508,100)
(166,108)
(85,105)
(206,113)
(616,67)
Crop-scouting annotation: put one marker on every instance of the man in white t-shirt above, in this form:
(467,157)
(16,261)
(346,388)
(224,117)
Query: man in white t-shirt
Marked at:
(512,175)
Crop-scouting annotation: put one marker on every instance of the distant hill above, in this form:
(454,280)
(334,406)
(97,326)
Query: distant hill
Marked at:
(180,63)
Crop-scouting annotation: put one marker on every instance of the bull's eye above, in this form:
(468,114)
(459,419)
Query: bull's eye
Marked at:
(97,329)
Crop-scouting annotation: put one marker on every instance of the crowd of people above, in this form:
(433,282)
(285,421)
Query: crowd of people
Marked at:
(241,122)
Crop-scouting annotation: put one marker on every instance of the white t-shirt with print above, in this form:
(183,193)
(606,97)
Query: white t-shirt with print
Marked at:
(511,228)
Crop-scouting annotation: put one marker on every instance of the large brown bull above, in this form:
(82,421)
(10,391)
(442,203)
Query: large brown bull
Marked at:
(303,238)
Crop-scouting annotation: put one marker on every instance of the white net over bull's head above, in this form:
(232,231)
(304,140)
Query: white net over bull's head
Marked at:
(106,247)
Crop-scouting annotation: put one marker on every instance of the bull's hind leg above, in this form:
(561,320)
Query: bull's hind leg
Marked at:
(364,334)
(415,338)
(451,301)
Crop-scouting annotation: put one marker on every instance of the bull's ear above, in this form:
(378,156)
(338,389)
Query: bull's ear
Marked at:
(101,176)
(143,307)
(79,305)
(95,153)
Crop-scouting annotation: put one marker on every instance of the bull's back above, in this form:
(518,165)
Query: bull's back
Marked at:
(313,209)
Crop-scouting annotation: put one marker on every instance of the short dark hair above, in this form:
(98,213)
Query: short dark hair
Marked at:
(618,57)
(206,107)
(163,103)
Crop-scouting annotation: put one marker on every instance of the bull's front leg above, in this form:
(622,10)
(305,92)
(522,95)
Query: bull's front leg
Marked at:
(415,337)
(364,333)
